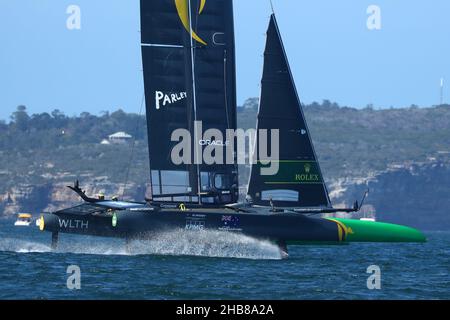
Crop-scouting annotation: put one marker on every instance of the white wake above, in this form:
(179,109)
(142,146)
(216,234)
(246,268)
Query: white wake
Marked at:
(174,243)
(206,243)
(23,246)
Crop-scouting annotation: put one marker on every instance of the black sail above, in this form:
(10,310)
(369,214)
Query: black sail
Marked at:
(298,182)
(189,75)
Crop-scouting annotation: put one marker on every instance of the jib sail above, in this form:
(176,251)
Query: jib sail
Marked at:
(298,182)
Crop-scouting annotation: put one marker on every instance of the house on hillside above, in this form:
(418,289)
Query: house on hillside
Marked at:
(120,138)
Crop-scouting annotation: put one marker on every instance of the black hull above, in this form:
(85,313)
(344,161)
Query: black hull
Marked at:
(277,227)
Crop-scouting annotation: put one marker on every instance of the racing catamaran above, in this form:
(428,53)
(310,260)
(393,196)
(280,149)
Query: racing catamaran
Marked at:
(188,55)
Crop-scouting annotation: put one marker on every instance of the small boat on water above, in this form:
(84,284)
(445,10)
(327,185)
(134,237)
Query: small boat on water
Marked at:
(23,220)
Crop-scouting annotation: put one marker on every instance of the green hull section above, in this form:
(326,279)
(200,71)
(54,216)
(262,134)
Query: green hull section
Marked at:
(370,231)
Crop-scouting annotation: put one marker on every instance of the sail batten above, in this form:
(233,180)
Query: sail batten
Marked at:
(299,181)
(161,45)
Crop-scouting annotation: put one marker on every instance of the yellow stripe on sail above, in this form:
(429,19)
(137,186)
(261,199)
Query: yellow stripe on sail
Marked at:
(202,6)
(183,13)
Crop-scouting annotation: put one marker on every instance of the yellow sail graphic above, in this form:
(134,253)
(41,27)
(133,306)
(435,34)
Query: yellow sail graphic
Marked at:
(183,13)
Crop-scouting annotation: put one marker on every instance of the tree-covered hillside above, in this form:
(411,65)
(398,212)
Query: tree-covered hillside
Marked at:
(41,148)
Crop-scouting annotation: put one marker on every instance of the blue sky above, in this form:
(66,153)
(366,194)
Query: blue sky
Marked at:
(44,66)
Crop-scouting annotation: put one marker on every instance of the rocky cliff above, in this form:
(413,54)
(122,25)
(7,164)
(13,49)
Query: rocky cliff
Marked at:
(414,194)
(53,196)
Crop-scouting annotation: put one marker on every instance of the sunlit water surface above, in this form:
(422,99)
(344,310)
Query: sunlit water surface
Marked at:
(214,265)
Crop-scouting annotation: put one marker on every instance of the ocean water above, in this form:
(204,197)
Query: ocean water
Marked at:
(211,265)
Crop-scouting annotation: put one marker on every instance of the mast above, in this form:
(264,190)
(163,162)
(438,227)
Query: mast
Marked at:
(194,100)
